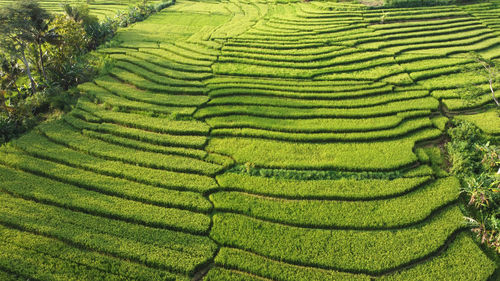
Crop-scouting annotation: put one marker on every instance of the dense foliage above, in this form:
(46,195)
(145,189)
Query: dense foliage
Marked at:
(476,161)
(51,52)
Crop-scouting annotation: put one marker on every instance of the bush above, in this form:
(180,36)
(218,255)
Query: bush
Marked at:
(475,161)
(464,158)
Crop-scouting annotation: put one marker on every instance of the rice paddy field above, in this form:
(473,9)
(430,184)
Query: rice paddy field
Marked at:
(255,140)
(99,8)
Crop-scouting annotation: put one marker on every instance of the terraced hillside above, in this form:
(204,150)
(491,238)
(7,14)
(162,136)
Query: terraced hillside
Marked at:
(99,8)
(254,141)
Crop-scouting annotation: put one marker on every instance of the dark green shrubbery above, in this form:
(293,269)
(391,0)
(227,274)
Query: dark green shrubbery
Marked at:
(38,69)
(249,168)
(475,161)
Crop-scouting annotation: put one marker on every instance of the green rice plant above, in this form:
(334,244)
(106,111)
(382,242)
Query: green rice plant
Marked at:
(147,85)
(463,260)
(478,44)
(359,251)
(41,189)
(98,8)
(153,77)
(373,100)
(362,156)
(139,121)
(344,188)
(169,26)
(230,68)
(217,273)
(314,125)
(333,94)
(172,56)
(199,49)
(338,57)
(457,104)
(377,73)
(451,81)
(63,134)
(376,214)
(266,44)
(139,145)
(422,156)
(436,72)
(407,29)
(301,70)
(162,71)
(427,15)
(440,122)
(84,116)
(27,262)
(405,128)
(191,52)
(446,94)
(130,92)
(219,83)
(456,258)
(256,265)
(88,261)
(427,37)
(420,171)
(190,71)
(426,103)
(153,247)
(414,63)
(299,52)
(36,145)
(488,122)
(123,104)
(105,184)
(400,27)
(175,143)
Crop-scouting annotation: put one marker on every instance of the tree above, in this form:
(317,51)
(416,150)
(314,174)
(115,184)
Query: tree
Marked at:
(97,33)
(9,73)
(67,64)
(22,24)
(485,68)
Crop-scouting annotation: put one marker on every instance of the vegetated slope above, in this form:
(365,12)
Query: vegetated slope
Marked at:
(254,141)
(99,8)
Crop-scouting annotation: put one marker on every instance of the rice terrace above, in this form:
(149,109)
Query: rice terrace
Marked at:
(251,140)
